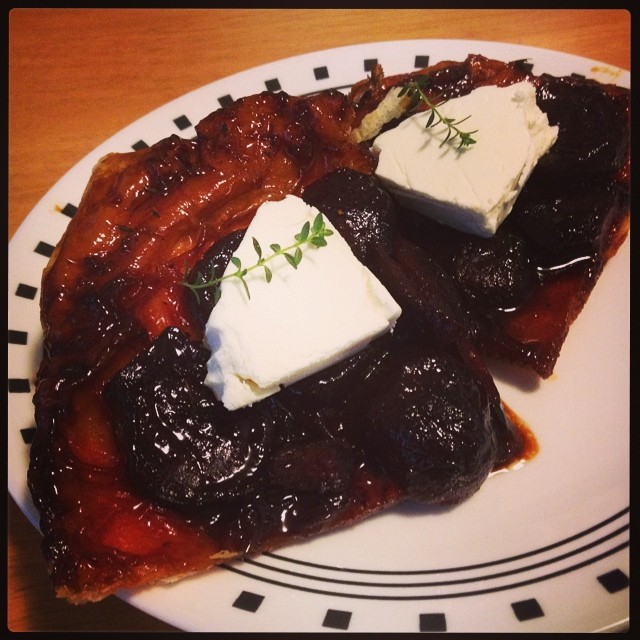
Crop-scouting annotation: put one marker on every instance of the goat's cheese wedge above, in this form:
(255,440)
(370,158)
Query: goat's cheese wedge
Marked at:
(472,188)
(302,321)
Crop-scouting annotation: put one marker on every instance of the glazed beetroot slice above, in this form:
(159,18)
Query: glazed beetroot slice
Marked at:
(180,448)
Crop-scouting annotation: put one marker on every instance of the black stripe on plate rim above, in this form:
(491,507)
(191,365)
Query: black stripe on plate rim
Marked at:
(436,596)
(481,565)
(442,583)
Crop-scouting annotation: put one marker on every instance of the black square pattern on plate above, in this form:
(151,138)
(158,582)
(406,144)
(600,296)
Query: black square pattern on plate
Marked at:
(44,249)
(27,434)
(141,144)
(336,619)
(421,61)
(527,66)
(182,122)
(19,385)
(370,63)
(433,622)
(248,601)
(17,337)
(26,291)
(225,101)
(527,609)
(272,85)
(321,73)
(614,581)
(69,210)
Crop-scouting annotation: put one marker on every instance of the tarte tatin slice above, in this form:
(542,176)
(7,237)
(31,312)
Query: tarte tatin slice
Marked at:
(140,472)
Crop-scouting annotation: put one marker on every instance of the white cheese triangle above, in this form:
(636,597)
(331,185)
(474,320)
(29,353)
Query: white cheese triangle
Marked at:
(302,321)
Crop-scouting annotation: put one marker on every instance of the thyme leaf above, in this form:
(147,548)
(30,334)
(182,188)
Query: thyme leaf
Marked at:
(415,89)
(310,235)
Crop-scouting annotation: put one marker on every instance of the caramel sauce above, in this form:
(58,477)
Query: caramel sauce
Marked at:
(530,447)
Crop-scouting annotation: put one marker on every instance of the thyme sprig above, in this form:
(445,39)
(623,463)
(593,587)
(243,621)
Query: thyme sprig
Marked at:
(310,235)
(415,89)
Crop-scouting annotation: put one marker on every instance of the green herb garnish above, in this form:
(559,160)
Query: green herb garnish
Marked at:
(310,234)
(415,89)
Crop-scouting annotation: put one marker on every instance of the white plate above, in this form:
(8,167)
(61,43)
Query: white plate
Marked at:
(542,548)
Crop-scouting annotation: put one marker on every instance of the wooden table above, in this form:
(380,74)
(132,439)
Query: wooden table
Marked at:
(92,72)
